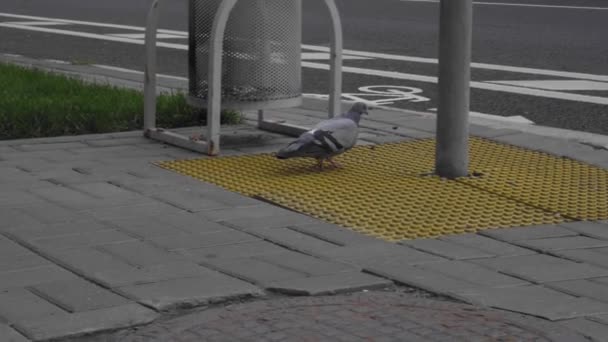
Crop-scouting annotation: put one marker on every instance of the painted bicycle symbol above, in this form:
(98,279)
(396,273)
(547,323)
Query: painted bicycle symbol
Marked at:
(381,95)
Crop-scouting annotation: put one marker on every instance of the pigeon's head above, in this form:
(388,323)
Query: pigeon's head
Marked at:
(359,107)
(356,111)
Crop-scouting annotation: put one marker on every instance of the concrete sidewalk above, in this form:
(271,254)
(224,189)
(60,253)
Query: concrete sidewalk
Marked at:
(94,237)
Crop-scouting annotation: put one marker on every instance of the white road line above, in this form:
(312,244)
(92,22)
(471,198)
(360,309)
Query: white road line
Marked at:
(557,84)
(37,22)
(486,66)
(523,70)
(143,35)
(521,5)
(515,118)
(131,71)
(93,36)
(474,84)
(360,71)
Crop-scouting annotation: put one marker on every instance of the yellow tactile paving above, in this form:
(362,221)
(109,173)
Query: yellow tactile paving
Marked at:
(385,190)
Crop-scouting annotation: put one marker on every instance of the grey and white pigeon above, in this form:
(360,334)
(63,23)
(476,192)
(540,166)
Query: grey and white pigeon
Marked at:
(328,138)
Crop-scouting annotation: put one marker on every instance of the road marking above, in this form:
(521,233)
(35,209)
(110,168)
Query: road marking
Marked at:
(557,84)
(380,95)
(497,67)
(131,71)
(486,66)
(360,71)
(325,56)
(474,84)
(515,118)
(521,5)
(143,35)
(34,23)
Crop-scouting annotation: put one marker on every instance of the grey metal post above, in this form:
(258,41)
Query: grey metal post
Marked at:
(335,81)
(456,17)
(214,97)
(150,68)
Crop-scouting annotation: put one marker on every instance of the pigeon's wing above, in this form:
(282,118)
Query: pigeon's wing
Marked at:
(328,138)
(344,131)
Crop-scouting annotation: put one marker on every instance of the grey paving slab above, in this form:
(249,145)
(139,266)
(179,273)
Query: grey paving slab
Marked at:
(534,300)
(68,198)
(296,241)
(11,249)
(149,274)
(487,245)
(582,288)
(39,230)
(329,284)
(190,201)
(119,141)
(528,233)
(542,268)
(593,256)
(559,243)
(18,304)
(233,251)
(14,217)
(141,253)
(473,273)
(602,280)
(47,146)
(132,211)
(144,227)
(16,198)
(488,132)
(190,292)
(11,335)
(21,262)
(446,249)
(261,223)
(190,241)
(381,252)
(79,240)
(78,295)
(595,230)
(603,318)
(34,276)
(50,213)
(420,278)
(305,263)
(258,211)
(86,322)
(334,234)
(253,270)
(594,330)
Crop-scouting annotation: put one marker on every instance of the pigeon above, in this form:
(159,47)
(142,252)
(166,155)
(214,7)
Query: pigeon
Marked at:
(328,138)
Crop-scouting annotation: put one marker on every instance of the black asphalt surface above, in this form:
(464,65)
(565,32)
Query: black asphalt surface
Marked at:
(560,39)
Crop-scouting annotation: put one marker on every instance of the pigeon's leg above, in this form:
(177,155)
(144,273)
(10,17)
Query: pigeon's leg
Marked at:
(334,163)
(320,164)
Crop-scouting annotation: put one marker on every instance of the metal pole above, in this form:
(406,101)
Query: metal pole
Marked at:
(456,17)
(150,68)
(335,81)
(214,97)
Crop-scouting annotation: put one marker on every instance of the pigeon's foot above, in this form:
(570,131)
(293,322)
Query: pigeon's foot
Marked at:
(320,164)
(334,163)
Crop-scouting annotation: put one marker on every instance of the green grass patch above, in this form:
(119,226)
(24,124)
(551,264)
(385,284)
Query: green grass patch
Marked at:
(36,103)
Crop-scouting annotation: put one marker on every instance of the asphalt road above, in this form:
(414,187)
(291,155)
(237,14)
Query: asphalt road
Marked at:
(542,60)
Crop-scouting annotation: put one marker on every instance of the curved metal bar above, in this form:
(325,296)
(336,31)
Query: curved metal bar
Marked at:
(335,82)
(150,68)
(214,83)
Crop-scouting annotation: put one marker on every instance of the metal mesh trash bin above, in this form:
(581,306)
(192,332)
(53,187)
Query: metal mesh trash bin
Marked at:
(261,58)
